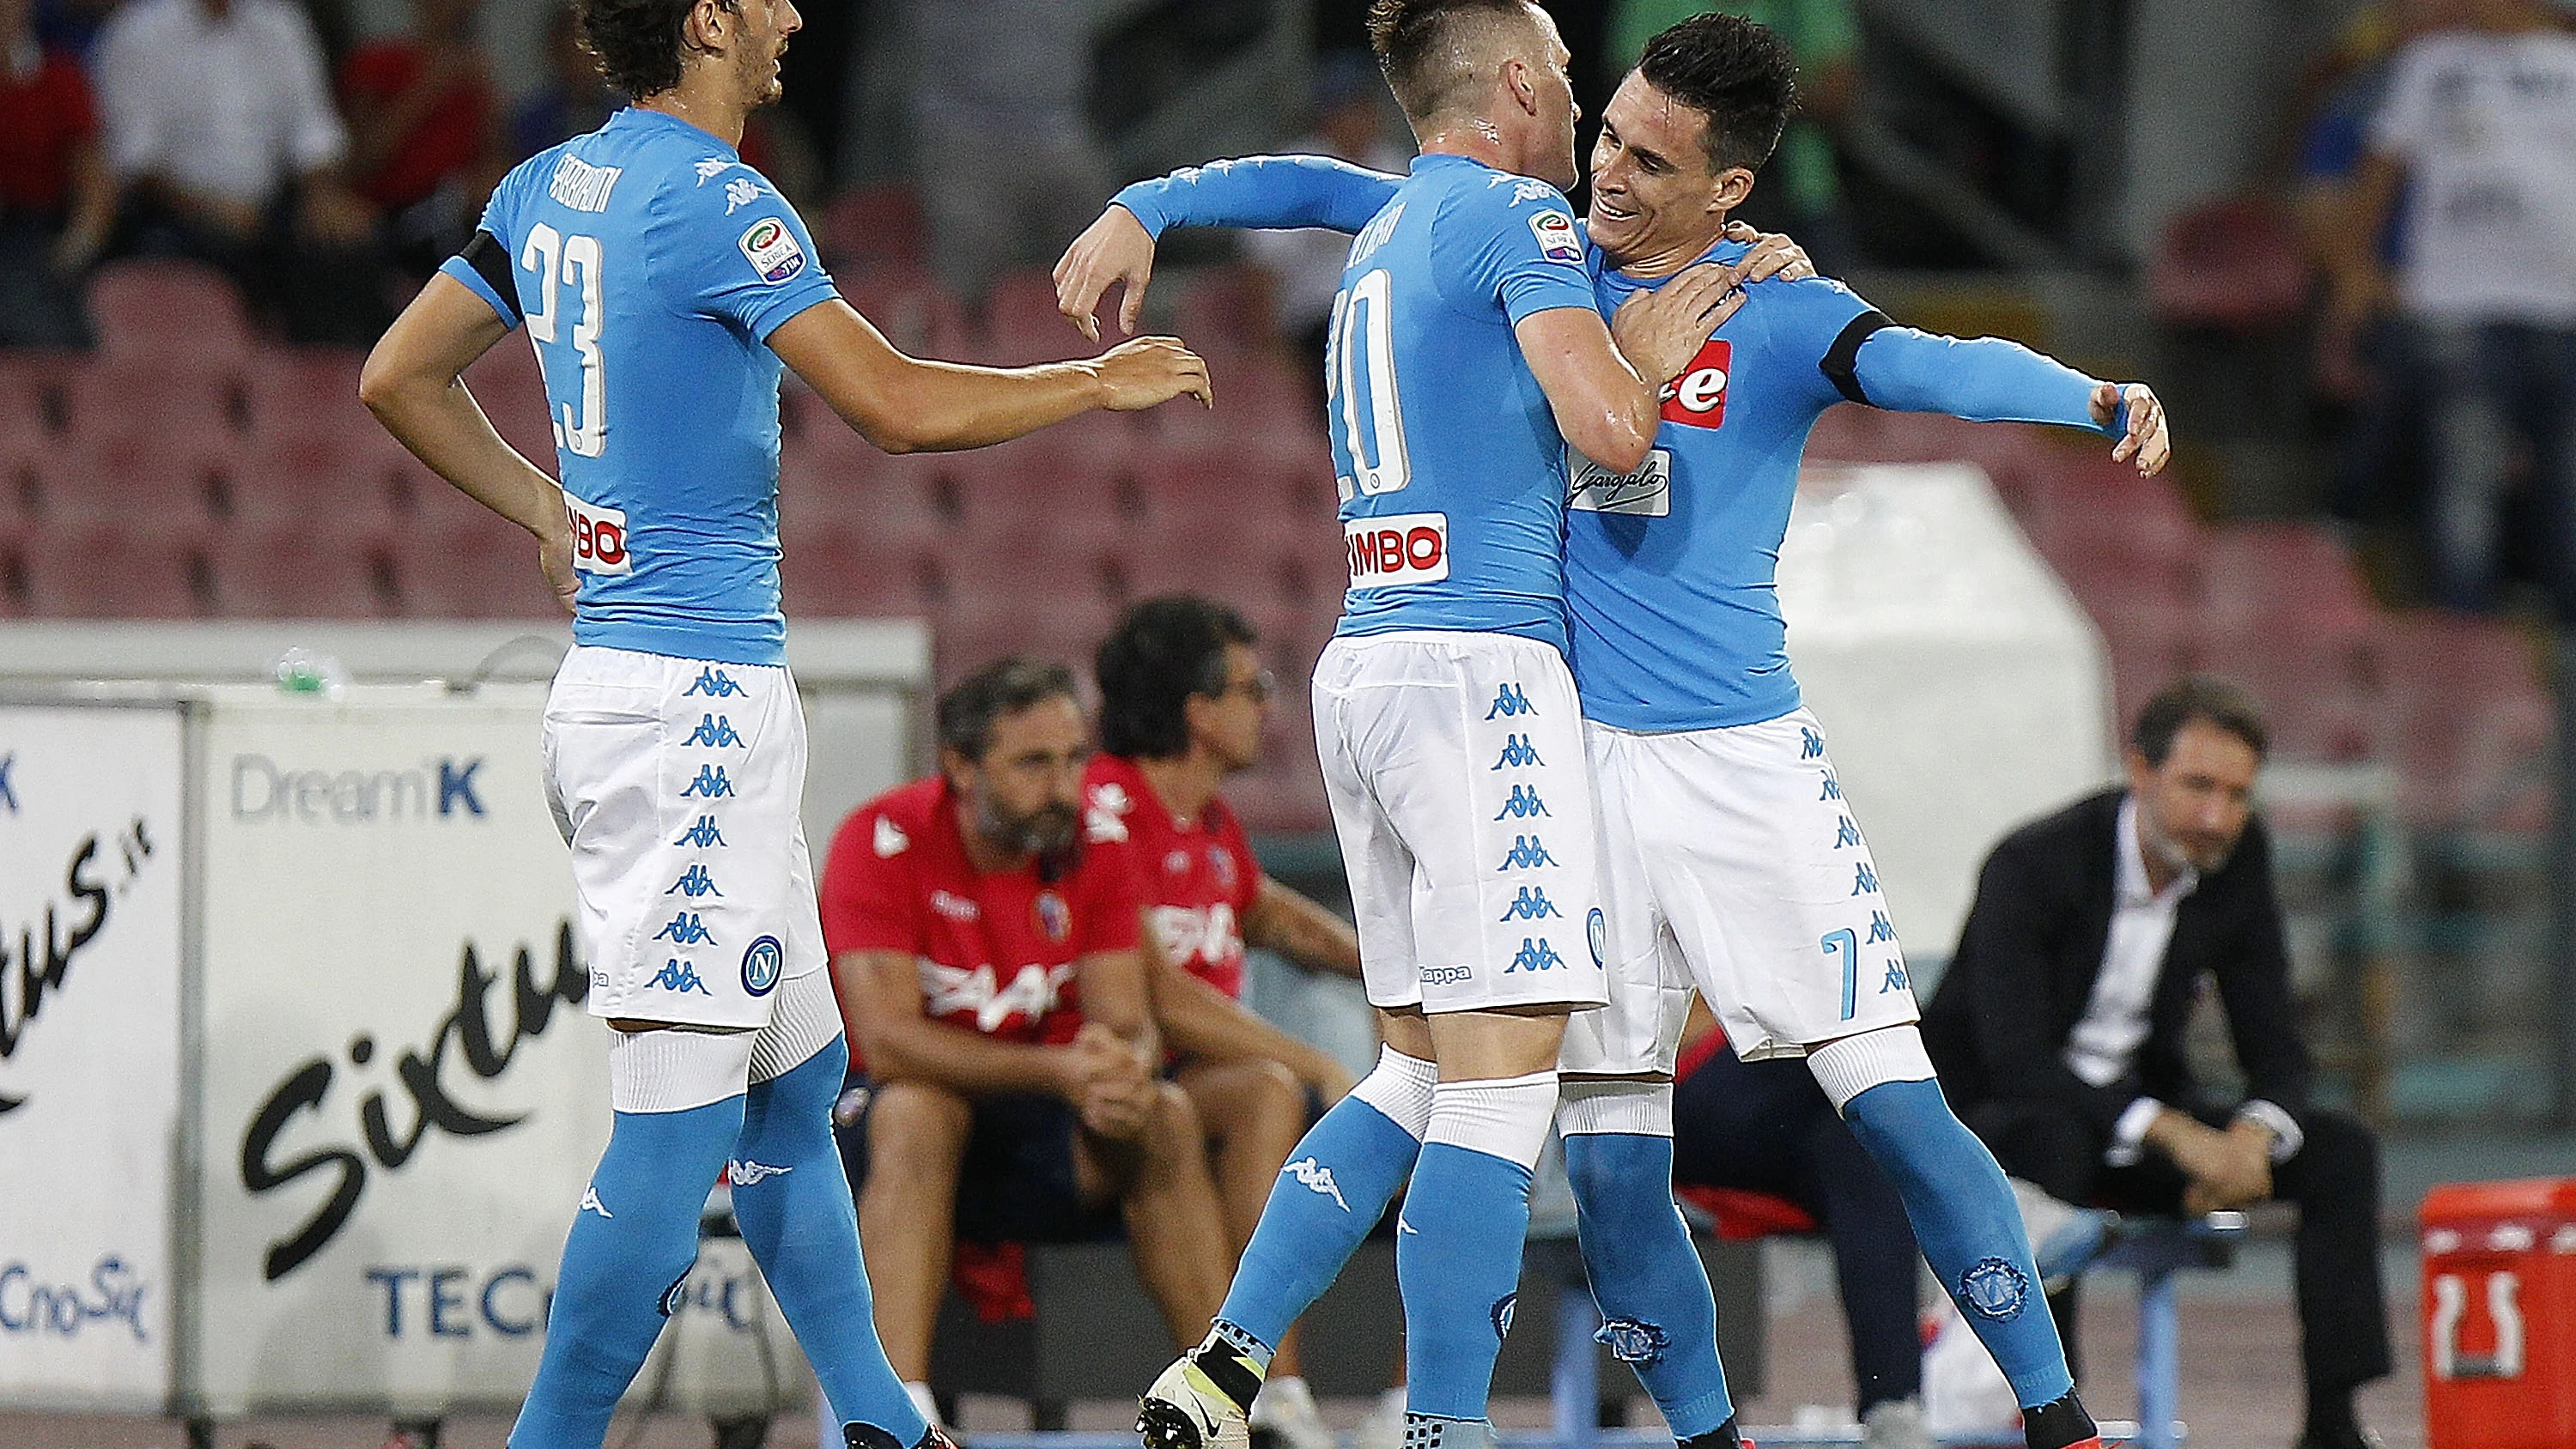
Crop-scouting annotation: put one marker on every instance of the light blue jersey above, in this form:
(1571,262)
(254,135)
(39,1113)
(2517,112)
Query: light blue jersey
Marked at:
(1450,466)
(649,266)
(1669,571)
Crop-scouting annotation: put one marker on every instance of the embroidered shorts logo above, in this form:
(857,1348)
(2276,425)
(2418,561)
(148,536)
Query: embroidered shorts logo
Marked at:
(1407,548)
(761,965)
(680,976)
(1447,975)
(772,250)
(1596,928)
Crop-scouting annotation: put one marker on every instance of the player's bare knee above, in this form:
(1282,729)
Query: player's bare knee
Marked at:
(1172,1127)
(917,1127)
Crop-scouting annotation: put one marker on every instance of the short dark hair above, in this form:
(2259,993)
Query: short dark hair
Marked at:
(641,44)
(1163,651)
(2197,697)
(1408,38)
(967,712)
(1738,75)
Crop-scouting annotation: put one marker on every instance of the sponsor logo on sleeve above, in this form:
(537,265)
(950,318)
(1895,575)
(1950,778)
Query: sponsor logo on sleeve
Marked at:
(1558,241)
(771,249)
(598,538)
(1591,488)
(1406,548)
(1697,398)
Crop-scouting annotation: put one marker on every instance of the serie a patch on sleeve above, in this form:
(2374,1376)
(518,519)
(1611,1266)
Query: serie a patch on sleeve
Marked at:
(770,246)
(1557,239)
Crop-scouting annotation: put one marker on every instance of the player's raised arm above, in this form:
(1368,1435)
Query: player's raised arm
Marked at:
(905,404)
(1261,192)
(1991,379)
(414,384)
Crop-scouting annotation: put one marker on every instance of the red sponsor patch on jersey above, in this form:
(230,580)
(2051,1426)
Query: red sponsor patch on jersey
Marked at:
(1698,396)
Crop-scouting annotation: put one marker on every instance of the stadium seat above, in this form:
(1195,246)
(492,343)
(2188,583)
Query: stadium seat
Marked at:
(914,312)
(972,630)
(1022,325)
(140,482)
(359,481)
(2234,264)
(180,314)
(845,570)
(869,230)
(314,568)
(512,391)
(473,565)
(307,391)
(2473,725)
(104,572)
(122,396)
(2281,575)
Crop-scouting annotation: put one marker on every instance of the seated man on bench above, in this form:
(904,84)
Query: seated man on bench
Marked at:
(2058,1028)
(1001,1025)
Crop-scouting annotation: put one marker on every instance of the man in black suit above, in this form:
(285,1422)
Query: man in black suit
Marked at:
(2058,1029)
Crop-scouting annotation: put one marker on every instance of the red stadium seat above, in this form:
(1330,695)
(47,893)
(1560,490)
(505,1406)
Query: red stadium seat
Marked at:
(102,572)
(2473,725)
(1022,325)
(180,314)
(2235,264)
(856,571)
(2282,575)
(307,391)
(914,312)
(512,391)
(359,481)
(308,569)
(140,482)
(868,230)
(473,565)
(972,630)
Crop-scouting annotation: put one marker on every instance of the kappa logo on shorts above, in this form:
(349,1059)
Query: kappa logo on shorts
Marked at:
(1895,977)
(685,929)
(711,784)
(1880,927)
(693,883)
(1447,975)
(714,683)
(772,250)
(1864,880)
(1522,803)
(1527,853)
(1537,953)
(1518,754)
(1833,788)
(714,731)
(1811,745)
(1846,834)
(703,835)
(762,964)
(680,976)
(1530,905)
(1510,703)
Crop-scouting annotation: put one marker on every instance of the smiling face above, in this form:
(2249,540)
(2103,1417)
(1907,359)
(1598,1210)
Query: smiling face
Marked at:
(1657,201)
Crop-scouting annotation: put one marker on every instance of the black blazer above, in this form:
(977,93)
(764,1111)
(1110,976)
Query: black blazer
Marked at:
(2027,959)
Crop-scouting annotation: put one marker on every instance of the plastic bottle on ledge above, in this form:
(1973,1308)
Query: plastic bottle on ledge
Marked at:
(306,671)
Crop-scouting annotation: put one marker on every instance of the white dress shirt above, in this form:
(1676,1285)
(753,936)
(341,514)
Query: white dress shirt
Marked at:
(235,107)
(2104,1045)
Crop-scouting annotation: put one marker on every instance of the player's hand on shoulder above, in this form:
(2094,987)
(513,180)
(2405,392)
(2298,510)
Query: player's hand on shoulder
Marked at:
(1659,332)
(2145,441)
(1115,249)
(1774,256)
(1150,371)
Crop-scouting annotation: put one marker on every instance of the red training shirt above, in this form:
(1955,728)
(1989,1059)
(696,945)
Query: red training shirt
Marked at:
(1199,880)
(445,141)
(995,952)
(43,120)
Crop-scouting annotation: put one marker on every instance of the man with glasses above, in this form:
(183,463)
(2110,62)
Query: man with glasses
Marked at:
(1183,701)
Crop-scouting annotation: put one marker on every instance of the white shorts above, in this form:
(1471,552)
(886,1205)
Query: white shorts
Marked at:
(1731,863)
(677,784)
(1454,763)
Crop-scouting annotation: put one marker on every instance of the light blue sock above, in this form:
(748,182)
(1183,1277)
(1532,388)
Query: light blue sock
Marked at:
(634,1239)
(794,1209)
(1658,1314)
(1458,1262)
(1970,1229)
(1337,1183)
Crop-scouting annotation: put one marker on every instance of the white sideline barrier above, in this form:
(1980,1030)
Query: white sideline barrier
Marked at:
(313,1097)
(1962,689)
